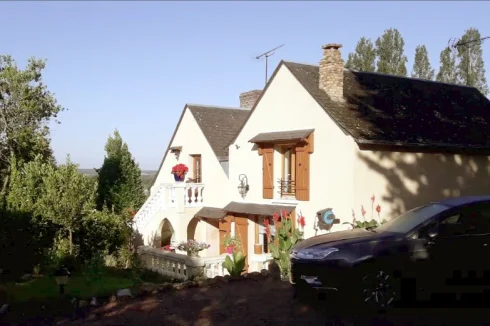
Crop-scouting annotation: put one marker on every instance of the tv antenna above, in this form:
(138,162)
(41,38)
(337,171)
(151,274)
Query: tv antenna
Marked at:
(267,55)
(454,43)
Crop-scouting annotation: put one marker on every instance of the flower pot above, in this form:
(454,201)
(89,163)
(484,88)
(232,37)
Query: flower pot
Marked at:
(179,178)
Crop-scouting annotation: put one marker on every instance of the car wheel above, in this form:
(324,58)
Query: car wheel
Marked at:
(379,289)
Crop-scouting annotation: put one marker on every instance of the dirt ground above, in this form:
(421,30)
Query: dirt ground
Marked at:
(251,302)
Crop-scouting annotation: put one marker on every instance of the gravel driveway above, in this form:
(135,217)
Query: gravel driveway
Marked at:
(252,302)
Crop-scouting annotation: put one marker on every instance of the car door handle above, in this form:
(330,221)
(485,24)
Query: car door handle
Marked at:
(429,243)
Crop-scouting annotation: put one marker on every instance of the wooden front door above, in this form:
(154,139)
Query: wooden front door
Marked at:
(241,232)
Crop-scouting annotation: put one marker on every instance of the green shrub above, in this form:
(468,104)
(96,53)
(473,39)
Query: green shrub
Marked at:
(287,238)
(23,240)
(235,266)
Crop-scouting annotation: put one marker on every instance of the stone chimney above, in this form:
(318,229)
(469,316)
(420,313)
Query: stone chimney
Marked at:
(248,99)
(332,72)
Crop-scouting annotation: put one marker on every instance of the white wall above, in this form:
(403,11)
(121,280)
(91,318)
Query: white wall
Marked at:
(286,105)
(402,181)
(193,141)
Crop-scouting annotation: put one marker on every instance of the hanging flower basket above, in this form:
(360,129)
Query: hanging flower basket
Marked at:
(179,171)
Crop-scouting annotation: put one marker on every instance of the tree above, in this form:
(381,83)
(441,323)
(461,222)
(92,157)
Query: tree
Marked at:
(26,108)
(120,184)
(364,57)
(421,65)
(66,197)
(471,67)
(447,71)
(389,49)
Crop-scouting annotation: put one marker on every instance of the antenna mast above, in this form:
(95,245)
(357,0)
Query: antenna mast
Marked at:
(456,42)
(267,55)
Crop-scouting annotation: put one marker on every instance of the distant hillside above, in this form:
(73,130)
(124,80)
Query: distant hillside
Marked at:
(146,175)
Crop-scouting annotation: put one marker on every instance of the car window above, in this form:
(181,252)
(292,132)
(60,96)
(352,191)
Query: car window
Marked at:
(411,219)
(478,219)
(453,219)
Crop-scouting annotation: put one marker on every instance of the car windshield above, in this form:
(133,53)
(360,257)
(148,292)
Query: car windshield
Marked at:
(408,220)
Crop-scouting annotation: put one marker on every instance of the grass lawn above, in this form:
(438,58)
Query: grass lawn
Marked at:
(44,287)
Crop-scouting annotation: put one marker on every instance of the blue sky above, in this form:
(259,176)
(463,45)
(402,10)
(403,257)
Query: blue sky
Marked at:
(133,65)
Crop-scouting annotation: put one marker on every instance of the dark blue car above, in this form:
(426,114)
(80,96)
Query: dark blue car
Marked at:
(437,251)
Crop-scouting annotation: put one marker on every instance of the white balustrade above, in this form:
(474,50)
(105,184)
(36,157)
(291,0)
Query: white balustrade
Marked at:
(213,266)
(180,267)
(165,196)
(193,194)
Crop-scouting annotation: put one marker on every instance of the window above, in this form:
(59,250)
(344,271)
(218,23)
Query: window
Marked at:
(411,219)
(196,168)
(294,179)
(288,175)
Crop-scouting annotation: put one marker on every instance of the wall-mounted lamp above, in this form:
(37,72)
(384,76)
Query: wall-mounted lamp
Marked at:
(243,186)
(176,151)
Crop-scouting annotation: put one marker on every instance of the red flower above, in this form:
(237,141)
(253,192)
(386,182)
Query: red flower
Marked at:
(180,169)
(301,221)
(275,217)
(363,211)
(378,209)
(373,198)
(284,213)
(266,222)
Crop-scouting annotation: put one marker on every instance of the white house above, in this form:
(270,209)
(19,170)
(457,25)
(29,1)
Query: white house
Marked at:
(323,137)
(200,142)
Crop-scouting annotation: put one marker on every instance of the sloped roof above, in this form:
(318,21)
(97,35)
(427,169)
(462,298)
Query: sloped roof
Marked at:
(265,137)
(218,125)
(256,209)
(393,110)
(211,212)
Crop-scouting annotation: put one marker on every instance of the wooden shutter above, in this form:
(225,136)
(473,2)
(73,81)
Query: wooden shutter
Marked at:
(197,170)
(302,173)
(268,172)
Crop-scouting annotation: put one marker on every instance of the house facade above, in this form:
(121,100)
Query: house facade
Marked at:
(333,145)
(168,215)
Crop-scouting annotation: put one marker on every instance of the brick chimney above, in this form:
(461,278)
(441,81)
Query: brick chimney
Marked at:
(248,99)
(332,72)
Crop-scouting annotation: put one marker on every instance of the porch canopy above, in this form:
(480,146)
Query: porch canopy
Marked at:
(211,212)
(282,136)
(256,209)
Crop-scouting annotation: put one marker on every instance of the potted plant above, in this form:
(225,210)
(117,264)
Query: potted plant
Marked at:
(192,247)
(179,171)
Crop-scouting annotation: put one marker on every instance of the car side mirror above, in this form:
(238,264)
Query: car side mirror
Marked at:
(433,231)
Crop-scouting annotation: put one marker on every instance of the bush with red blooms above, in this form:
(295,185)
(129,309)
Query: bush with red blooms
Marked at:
(287,238)
(180,170)
(356,224)
(232,244)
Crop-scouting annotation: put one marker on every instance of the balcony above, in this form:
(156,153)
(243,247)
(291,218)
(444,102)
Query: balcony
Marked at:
(190,193)
(179,196)
(287,188)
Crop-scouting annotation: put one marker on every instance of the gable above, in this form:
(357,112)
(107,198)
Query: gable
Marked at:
(284,106)
(215,125)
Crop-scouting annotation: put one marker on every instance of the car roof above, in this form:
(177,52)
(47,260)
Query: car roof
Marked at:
(458,201)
